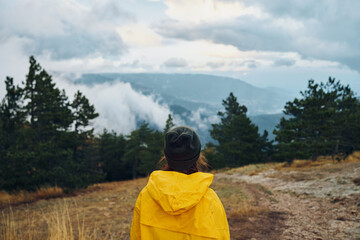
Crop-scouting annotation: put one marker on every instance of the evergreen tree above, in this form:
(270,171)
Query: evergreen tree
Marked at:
(83,112)
(49,119)
(143,150)
(152,154)
(319,123)
(11,114)
(11,122)
(137,142)
(169,124)
(112,150)
(238,139)
(37,142)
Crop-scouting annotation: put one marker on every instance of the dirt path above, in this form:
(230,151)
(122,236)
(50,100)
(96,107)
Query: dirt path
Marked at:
(312,203)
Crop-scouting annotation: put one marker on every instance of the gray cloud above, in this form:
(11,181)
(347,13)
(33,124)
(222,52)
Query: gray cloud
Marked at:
(323,30)
(248,63)
(65,30)
(77,44)
(284,62)
(246,33)
(110,11)
(175,62)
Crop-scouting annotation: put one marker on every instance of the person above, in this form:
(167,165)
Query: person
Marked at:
(177,202)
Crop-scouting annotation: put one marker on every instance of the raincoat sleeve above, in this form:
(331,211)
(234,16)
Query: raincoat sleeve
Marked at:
(135,233)
(220,215)
(225,232)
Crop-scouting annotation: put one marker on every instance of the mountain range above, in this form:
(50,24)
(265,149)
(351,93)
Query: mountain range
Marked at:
(189,93)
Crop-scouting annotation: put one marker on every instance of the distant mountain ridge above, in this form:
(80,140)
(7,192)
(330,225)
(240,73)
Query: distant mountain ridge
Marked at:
(196,90)
(185,93)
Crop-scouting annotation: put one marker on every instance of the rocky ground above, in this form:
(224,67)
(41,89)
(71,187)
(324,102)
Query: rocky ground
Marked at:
(321,202)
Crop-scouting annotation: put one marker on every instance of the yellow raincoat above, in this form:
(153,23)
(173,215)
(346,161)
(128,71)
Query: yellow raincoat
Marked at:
(176,206)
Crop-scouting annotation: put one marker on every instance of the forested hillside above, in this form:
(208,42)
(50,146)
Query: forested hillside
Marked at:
(47,139)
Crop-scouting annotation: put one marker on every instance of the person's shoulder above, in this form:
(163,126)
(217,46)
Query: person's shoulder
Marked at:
(212,196)
(143,191)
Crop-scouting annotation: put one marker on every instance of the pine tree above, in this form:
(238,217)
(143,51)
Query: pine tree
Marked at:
(169,124)
(112,150)
(319,123)
(238,139)
(12,119)
(37,141)
(137,142)
(152,154)
(11,114)
(143,150)
(83,113)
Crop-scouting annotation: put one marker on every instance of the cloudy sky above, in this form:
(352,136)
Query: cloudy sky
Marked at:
(274,43)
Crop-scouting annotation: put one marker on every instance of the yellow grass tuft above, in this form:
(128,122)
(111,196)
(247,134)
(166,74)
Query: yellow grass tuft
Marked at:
(51,192)
(4,198)
(301,164)
(59,223)
(354,157)
(254,169)
(20,197)
(321,161)
(245,210)
(9,229)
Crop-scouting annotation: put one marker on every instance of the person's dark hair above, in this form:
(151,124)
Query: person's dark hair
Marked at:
(201,165)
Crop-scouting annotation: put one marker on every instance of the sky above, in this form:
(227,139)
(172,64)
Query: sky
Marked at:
(278,44)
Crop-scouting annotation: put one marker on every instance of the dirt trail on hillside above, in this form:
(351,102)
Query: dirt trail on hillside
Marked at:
(309,203)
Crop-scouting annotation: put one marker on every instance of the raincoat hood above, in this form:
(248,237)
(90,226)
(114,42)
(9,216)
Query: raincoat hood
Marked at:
(176,192)
(178,206)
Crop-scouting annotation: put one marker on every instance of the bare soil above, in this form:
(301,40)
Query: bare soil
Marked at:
(320,202)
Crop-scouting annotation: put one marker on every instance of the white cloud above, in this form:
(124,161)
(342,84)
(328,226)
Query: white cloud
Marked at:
(41,18)
(119,106)
(14,63)
(200,120)
(139,35)
(207,10)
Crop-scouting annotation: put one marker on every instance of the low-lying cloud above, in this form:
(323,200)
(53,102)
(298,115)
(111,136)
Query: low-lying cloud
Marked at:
(120,107)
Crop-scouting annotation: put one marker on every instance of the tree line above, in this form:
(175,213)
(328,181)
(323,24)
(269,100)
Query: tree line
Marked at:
(46,139)
(325,121)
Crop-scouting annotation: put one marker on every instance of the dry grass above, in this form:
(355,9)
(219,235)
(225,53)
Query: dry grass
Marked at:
(239,200)
(254,169)
(102,211)
(55,224)
(20,197)
(245,210)
(322,161)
